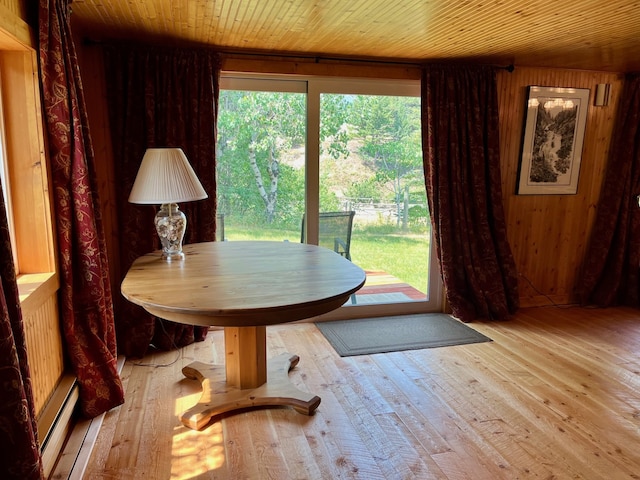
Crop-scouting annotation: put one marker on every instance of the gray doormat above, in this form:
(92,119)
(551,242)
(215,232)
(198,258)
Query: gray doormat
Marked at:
(364,336)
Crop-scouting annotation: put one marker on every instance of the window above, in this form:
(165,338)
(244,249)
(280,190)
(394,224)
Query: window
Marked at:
(293,147)
(23,169)
(4,176)
(24,173)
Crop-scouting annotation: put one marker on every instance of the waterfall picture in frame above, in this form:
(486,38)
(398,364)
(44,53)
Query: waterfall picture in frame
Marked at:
(552,141)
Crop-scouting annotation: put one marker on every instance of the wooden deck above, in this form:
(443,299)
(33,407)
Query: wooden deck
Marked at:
(379,282)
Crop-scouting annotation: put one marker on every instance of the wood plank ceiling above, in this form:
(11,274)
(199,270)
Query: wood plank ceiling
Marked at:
(583,34)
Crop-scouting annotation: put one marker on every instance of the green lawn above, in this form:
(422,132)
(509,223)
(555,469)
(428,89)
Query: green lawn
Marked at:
(404,256)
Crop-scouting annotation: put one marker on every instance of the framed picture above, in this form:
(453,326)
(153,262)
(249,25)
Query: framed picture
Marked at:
(552,141)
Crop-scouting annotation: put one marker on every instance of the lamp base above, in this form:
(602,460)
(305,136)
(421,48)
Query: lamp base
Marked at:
(172,257)
(171,224)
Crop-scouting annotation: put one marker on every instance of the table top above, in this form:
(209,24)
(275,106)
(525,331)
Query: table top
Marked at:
(242,283)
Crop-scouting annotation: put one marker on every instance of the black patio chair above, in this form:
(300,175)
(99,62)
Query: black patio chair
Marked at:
(334,233)
(220,227)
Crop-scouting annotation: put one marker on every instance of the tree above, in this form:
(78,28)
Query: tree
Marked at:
(389,128)
(261,155)
(256,131)
(334,135)
(254,128)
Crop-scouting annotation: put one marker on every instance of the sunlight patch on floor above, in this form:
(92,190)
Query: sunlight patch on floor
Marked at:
(187,400)
(193,457)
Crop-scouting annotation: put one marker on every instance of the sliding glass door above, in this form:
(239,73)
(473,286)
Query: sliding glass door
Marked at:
(261,159)
(313,148)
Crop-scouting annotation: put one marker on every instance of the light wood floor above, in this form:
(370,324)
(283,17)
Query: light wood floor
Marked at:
(555,395)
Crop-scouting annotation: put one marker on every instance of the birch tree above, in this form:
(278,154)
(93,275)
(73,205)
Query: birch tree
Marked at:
(255,131)
(255,128)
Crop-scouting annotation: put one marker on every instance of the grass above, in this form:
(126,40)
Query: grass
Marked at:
(405,256)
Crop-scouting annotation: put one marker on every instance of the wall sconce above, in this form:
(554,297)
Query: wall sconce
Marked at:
(165,177)
(602,94)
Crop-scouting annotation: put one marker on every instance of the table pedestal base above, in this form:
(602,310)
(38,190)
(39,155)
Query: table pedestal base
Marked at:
(218,397)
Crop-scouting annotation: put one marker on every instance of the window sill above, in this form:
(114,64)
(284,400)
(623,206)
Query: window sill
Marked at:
(36,288)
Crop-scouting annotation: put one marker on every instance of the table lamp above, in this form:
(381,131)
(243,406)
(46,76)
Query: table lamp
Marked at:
(165,177)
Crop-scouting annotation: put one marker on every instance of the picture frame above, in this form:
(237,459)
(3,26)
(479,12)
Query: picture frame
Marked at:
(552,140)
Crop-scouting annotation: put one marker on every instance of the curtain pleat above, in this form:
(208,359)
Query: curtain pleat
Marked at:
(160,97)
(86,303)
(462,173)
(610,271)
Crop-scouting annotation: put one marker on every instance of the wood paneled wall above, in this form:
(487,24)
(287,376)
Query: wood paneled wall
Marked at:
(13,25)
(44,345)
(17,8)
(549,234)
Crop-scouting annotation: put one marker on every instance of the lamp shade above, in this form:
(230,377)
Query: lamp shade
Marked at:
(165,176)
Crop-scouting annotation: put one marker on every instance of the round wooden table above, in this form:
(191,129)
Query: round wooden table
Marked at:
(243,287)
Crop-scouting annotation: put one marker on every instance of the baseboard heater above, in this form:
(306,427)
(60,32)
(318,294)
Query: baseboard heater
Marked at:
(55,421)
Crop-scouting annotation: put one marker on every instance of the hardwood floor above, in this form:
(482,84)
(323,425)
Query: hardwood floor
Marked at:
(555,395)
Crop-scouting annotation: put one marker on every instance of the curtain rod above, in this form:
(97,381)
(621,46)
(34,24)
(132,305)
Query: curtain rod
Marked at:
(319,58)
(315,58)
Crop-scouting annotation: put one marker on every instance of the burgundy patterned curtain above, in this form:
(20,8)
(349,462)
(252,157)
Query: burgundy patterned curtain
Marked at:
(86,307)
(610,274)
(160,97)
(19,449)
(462,172)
